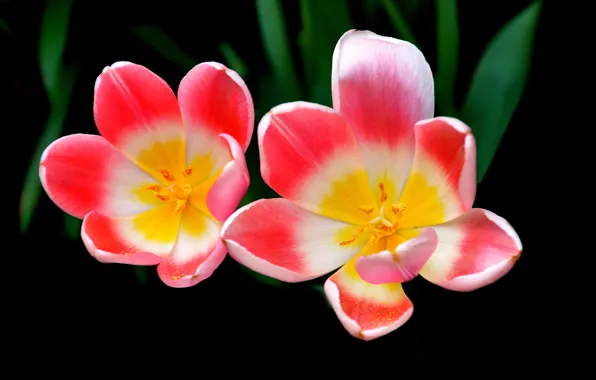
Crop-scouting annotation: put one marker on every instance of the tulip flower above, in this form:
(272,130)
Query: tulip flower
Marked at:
(376,187)
(165,173)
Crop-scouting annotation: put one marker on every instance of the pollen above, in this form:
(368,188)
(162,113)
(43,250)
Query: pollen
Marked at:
(167,175)
(188,171)
(383,193)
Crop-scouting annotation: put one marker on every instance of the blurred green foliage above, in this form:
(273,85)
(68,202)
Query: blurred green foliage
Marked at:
(491,99)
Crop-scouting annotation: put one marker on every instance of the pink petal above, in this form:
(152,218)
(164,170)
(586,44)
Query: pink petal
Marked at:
(309,156)
(474,250)
(135,110)
(84,173)
(365,310)
(114,240)
(197,253)
(231,185)
(281,240)
(400,266)
(382,86)
(215,98)
(442,183)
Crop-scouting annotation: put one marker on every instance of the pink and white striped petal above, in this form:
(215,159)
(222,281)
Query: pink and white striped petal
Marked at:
(365,310)
(281,240)
(137,112)
(214,98)
(83,173)
(442,183)
(474,250)
(231,185)
(197,253)
(143,239)
(382,86)
(403,264)
(309,155)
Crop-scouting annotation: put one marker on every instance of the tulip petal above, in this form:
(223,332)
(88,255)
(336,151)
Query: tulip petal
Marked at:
(83,173)
(365,310)
(442,183)
(197,253)
(382,86)
(141,239)
(137,112)
(309,155)
(281,240)
(401,264)
(231,185)
(474,250)
(214,98)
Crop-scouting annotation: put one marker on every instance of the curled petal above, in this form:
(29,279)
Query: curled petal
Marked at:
(309,155)
(83,173)
(197,253)
(474,250)
(281,240)
(231,185)
(382,86)
(365,310)
(215,98)
(137,112)
(141,240)
(402,265)
(442,183)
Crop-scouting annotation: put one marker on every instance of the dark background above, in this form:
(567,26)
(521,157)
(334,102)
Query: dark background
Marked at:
(70,298)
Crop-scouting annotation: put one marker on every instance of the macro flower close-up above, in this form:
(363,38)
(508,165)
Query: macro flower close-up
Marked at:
(165,173)
(375,186)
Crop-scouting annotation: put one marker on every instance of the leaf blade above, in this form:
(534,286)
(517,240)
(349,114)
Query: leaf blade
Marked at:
(498,83)
(447,55)
(164,45)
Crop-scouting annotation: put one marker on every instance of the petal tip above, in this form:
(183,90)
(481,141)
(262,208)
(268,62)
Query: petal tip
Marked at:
(505,226)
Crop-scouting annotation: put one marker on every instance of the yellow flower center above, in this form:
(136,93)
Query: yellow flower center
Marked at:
(176,190)
(385,223)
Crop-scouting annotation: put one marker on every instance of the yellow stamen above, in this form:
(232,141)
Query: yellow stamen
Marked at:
(180,205)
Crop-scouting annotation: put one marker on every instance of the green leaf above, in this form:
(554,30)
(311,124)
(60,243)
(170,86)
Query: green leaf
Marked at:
(398,21)
(164,45)
(232,60)
(53,130)
(262,278)
(277,48)
(323,23)
(447,55)
(54,28)
(4,26)
(498,84)
(72,227)
(141,273)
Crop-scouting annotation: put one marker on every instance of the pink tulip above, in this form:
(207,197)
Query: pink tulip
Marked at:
(376,187)
(155,187)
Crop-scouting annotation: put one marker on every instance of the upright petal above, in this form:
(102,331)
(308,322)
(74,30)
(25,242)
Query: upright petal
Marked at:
(400,264)
(197,253)
(309,155)
(84,173)
(474,250)
(365,310)
(442,183)
(382,86)
(281,240)
(141,239)
(138,113)
(214,98)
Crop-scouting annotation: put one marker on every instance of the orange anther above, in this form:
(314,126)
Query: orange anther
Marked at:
(155,188)
(383,193)
(366,209)
(354,237)
(188,170)
(398,207)
(167,175)
(162,197)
